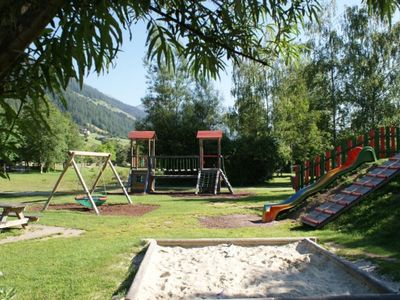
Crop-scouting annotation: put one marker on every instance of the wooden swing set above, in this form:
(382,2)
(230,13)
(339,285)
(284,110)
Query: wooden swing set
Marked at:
(88,192)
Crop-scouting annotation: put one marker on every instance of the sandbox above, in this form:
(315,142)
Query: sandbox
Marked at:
(249,268)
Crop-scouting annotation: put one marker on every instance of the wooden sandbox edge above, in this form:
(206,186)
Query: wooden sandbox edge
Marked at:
(351,269)
(188,243)
(140,274)
(386,292)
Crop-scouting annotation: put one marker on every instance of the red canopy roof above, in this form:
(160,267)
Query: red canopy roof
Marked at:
(141,135)
(209,134)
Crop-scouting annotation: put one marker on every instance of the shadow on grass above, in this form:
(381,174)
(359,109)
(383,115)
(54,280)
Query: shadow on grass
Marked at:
(277,185)
(123,288)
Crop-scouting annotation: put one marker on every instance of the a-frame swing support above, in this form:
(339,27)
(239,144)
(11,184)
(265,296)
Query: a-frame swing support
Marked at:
(71,161)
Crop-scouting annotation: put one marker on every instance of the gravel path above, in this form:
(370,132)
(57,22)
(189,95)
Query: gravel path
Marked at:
(42,231)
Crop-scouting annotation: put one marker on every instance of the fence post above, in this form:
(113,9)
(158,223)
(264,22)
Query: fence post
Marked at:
(372,138)
(317,167)
(360,140)
(392,140)
(307,173)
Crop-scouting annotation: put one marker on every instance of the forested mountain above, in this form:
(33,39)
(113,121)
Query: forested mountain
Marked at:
(96,111)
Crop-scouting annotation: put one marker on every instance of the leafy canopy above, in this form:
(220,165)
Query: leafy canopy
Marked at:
(43,44)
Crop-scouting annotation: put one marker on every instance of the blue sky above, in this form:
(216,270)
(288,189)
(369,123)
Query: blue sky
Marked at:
(126,81)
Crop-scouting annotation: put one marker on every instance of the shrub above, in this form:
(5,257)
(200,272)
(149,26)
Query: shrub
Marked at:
(251,160)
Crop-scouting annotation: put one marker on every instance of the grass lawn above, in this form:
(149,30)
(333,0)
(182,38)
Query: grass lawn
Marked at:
(97,264)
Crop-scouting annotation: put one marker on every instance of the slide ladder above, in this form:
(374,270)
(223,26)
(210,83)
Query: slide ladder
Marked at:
(209,180)
(349,196)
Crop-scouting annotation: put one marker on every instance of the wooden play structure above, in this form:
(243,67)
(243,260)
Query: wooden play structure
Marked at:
(146,169)
(88,199)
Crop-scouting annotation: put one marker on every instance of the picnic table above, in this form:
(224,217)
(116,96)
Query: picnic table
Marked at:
(13,209)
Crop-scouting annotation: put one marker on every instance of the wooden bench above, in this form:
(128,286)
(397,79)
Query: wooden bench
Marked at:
(16,209)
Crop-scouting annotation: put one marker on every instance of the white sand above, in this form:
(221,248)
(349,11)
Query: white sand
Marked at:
(234,271)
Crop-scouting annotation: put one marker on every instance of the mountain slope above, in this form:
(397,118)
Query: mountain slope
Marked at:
(96,111)
(93,93)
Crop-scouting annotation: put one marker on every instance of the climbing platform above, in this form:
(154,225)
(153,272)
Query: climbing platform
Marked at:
(354,193)
(209,181)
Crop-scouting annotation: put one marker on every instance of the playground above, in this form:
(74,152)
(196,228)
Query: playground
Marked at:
(109,237)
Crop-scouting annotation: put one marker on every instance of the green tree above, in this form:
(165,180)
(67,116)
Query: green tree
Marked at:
(250,115)
(323,72)
(117,149)
(46,145)
(370,58)
(43,44)
(176,106)
(295,122)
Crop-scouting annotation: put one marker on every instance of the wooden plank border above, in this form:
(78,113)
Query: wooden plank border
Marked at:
(188,243)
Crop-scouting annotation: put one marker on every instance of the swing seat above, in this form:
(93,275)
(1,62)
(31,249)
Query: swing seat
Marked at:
(84,200)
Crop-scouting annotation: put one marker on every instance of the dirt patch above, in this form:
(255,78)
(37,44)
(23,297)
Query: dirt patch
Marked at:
(235,221)
(135,210)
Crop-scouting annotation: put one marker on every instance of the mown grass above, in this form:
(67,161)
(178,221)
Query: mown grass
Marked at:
(97,265)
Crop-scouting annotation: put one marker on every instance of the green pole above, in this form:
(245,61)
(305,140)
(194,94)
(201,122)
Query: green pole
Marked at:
(322,164)
(366,139)
(333,158)
(301,177)
(387,138)
(397,139)
(312,171)
(377,148)
(343,153)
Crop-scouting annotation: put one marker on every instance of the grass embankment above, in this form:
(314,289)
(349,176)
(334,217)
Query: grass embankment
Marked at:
(97,264)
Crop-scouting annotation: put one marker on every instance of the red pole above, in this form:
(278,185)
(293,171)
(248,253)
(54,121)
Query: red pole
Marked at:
(307,171)
(318,167)
(382,142)
(349,145)
(372,138)
(338,160)
(360,140)
(392,139)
